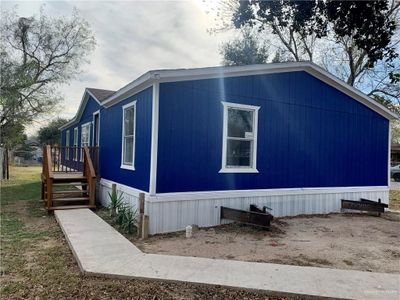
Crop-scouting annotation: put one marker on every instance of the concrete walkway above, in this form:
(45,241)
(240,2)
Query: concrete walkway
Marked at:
(101,250)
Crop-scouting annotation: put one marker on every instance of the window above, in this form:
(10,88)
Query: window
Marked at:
(239,150)
(76,143)
(85,137)
(67,145)
(128,136)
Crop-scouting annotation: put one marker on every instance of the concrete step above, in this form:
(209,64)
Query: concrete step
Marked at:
(65,207)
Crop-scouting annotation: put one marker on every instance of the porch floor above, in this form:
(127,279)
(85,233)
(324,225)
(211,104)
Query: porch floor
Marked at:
(68,175)
(101,250)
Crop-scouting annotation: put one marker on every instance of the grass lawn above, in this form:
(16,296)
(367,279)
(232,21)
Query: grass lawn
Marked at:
(36,262)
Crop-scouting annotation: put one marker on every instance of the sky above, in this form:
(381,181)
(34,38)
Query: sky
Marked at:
(132,38)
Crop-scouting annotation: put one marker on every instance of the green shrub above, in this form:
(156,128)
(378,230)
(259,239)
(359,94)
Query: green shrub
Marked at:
(115,203)
(129,221)
(120,216)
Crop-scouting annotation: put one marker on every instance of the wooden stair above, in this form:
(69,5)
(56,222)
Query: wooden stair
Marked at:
(68,190)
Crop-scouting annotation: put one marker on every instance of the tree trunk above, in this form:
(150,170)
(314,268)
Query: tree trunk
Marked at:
(3,163)
(7,165)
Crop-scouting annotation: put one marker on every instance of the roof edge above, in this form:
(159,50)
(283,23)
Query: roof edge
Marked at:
(168,75)
(80,109)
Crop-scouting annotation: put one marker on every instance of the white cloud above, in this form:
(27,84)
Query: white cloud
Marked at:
(134,37)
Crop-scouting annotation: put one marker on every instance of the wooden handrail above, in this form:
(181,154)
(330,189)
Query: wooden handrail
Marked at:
(47,164)
(90,174)
(48,175)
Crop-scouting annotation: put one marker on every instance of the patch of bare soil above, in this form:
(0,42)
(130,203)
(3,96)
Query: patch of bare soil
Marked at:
(344,241)
(43,267)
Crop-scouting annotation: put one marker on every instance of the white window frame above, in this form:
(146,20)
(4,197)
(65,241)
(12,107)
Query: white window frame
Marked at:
(88,141)
(254,109)
(124,107)
(76,137)
(67,137)
(94,127)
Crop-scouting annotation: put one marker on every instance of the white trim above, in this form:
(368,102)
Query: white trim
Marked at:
(154,139)
(125,166)
(76,143)
(97,112)
(389,153)
(77,117)
(254,109)
(187,196)
(147,79)
(84,125)
(67,145)
(124,188)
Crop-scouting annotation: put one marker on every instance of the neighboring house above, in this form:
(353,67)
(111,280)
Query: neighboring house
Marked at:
(395,154)
(289,136)
(27,153)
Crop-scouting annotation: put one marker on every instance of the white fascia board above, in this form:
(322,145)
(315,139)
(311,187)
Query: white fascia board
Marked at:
(354,93)
(84,100)
(161,76)
(147,79)
(234,71)
(143,82)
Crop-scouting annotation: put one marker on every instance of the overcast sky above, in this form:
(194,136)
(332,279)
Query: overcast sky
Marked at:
(134,37)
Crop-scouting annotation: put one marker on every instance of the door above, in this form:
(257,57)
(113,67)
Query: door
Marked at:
(96,130)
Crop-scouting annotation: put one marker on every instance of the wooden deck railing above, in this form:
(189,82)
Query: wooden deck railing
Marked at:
(71,159)
(90,174)
(47,176)
(60,162)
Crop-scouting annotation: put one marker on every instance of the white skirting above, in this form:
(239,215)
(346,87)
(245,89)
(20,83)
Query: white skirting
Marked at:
(174,211)
(130,195)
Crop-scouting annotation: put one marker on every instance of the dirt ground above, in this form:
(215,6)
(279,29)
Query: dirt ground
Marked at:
(344,241)
(36,262)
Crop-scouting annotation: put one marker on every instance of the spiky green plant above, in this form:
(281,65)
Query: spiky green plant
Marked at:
(115,203)
(120,216)
(129,221)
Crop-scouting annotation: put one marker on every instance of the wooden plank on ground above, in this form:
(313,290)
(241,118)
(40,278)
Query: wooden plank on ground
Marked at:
(363,205)
(374,202)
(246,217)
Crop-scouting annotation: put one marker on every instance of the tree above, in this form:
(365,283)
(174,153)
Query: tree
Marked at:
(355,40)
(37,54)
(244,50)
(50,134)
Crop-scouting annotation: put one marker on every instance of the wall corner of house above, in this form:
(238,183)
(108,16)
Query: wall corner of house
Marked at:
(154,138)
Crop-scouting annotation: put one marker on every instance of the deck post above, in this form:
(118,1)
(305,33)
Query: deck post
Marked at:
(141,214)
(49,190)
(145,227)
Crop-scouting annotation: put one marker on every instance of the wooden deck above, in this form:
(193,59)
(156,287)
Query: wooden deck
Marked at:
(68,176)
(58,190)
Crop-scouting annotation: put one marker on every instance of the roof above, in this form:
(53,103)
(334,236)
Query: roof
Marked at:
(110,98)
(99,94)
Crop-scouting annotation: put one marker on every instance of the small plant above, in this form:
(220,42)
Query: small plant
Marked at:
(119,218)
(115,203)
(129,221)
(124,216)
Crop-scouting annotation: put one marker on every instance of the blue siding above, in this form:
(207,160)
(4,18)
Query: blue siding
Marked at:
(87,116)
(309,135)
(111,145)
